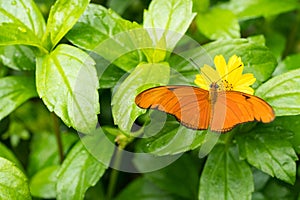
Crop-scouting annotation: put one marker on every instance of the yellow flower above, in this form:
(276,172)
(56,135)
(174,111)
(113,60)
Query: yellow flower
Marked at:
(227,76)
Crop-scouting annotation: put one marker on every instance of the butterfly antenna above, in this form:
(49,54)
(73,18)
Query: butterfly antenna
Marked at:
(201,71)
(229,73)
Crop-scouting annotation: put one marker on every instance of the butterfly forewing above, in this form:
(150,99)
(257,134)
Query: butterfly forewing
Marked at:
(190,105)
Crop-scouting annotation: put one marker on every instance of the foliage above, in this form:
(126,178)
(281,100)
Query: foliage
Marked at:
(61,60)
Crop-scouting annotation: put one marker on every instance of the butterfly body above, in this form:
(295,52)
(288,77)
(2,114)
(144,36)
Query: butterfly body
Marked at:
(200,109)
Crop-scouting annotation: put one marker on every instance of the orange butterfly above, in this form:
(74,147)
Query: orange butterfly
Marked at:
(218,110)
(200,109)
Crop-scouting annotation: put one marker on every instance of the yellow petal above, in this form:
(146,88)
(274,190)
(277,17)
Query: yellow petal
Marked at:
(221,66)
(246,80)
(235,69)
(209,74)
(245,89)
(199,81)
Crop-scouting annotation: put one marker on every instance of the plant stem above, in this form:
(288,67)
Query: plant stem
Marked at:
(58,137)
(114,174)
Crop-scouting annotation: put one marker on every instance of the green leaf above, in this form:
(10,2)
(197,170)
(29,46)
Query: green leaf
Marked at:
(284,122)
(172,139)
(279,190)
(109,74)
(218,23)
(246,9)
(44,150)
(18,57)
(291,62)
(225,176)
(20,23)
(168,19)
(8,154)
(120,6)
(260,179)
(142,189)
(43,183)
(37,117)
(67,82)
(95,192)
(96,25)
(257,58)
(283,93)
(169,178)
(103,31)
(82,170)
(14,91)
(100,145)
(16,133)
(144,76)
(269,150)
(201,6)
(13,183)
(62,17)
(276,42)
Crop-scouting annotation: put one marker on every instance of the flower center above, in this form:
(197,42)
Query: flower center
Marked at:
(228,86)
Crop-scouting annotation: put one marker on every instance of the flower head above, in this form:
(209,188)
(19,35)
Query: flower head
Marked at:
(228,76)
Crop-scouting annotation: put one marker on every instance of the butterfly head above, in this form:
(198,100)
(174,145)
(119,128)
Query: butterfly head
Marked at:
(214,86)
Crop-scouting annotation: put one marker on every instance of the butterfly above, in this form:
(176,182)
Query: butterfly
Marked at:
(214,109)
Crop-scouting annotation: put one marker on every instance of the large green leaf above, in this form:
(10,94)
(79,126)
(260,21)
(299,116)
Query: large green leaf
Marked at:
(279,190)
(284,122)
(62,17)
(218,23)
(80,169)
(103,31)
(109,74)
(142,189)
(100,145)
(257,58)
(144,76)
(96,25)
(18,57)
(20,23)
(8,154)
(120,6)
(225,176)
(13,92)
(43,183)
(245,9)
(283,93)
(201,6)
(269,150)
(13,183)
(44,150)
(172,139)
(172,177)
(67,82)
(168,19)
(289,63)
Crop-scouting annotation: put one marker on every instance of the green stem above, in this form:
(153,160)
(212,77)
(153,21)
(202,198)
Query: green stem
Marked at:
(114,175)
(58,137)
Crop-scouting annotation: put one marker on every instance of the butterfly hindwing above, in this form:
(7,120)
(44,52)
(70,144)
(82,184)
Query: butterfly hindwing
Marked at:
(239,108)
